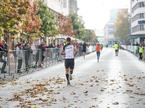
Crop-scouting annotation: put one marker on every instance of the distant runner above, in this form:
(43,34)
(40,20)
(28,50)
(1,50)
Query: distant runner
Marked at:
(98,51)
(116,47)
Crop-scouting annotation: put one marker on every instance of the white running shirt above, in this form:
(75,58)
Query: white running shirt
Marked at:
(69,52)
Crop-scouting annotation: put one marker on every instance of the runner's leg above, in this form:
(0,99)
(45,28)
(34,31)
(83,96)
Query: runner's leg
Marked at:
(67,76)
(98,56)
(67,71)
(84,54)
(71,72)
(71,68)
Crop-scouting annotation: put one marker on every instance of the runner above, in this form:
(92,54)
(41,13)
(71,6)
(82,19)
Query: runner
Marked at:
(98,51)
(116,47)
(69,52)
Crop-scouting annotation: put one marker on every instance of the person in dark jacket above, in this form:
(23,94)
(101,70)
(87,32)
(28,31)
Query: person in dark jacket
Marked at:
(19,55)
(27,52)
(3,53)
(40,54)
(84,49)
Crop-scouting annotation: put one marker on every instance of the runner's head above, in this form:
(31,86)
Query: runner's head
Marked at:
(68,39)
(98,43)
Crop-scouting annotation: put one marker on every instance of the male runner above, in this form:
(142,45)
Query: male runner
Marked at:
(69,53)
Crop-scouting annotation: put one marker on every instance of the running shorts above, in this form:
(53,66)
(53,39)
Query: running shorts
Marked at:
(69,63)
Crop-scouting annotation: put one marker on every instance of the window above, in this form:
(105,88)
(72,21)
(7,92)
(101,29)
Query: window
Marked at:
(138,28)
(142,15)
(141,27)
(64,3)
(138,16)
(141,4)
(138,5)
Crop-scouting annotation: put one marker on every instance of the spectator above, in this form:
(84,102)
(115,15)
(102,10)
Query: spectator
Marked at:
(19,54)
(141,52)
(84,49)
(40,54)
(3,54)
(27,54)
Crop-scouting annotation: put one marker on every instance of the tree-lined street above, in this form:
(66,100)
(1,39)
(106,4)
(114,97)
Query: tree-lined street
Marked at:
(41,39)
(114,82)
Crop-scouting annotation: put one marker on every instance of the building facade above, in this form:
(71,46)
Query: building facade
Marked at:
(60,6)
(73,8)
(110,27)
(109,32)
(62,9)
(138,20)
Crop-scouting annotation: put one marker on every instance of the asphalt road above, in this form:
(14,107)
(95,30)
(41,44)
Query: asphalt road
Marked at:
(114,82)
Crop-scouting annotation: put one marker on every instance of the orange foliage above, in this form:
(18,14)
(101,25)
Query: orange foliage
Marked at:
(65,25)
(32,23)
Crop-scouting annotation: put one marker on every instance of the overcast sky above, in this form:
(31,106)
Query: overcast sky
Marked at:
(96,13)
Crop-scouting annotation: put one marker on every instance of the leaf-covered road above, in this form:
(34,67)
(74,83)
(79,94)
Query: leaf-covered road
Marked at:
(115,82)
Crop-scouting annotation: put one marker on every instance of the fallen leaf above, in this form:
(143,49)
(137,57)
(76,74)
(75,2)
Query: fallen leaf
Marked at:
(17,98)
(94,98)
(73,93)
(112,80)
(140,94)
(57,93)
(64,98)
(131,85)
(131,97)
(91,85)
(81,84)
(85,91)
(130,91)
(96,81)
(116,103)
(125,80)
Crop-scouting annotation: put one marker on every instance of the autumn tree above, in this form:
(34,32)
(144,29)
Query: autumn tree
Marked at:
(49,25)
(65,25)
(78,25)
(18,17)
(122,25)
(80,31)
(89,36)
(31,21)
(10,15)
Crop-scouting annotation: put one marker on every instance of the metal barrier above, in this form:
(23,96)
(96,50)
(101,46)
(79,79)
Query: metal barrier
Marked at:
(24,61)
(19,63)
